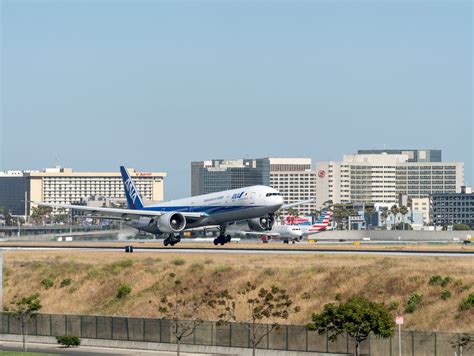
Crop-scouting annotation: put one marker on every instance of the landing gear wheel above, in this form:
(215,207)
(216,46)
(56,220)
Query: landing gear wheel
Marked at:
(166,242)
(216,242)
(227,238)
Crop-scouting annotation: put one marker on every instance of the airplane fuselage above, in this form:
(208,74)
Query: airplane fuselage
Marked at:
(219,208)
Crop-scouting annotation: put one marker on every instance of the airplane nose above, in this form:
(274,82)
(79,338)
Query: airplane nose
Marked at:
(280,200)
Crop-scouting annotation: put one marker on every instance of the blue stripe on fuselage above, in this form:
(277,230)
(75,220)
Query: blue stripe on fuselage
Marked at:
(207,209)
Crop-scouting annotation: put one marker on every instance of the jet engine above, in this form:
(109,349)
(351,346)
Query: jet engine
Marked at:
(170,222)
(258,224)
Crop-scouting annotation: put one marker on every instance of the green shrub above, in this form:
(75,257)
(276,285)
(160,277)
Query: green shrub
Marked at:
(123,290)
(65,282)
(338,297)
(179,262)
(445,281)
(465,287)
(445,294)
(435,280)
(466,303)
(47,283)
(68,340)
(413,302)
(305,295)
(459,227)
(410,308)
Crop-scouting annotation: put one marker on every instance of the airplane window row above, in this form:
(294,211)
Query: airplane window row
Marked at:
(272,194)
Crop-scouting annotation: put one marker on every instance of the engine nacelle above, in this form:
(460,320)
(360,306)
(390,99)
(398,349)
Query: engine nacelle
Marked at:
(258,224)
(171,222)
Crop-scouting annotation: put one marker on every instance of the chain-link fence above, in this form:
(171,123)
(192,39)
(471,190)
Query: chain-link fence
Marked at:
(286,337)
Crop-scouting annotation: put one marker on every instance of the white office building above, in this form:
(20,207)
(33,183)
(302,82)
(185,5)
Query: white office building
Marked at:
(381,177)
(63,186)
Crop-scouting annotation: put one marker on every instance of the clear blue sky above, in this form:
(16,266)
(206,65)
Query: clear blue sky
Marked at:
(154,85)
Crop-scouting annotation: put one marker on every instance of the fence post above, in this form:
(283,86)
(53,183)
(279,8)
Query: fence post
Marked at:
(435,342)
(143,329)
(347,342)
(327,343)
(128,333)
(370,346)
(161,330)
(413,343)
(212,333)
(96,327)
(307,337)
(286,336)
(391,338)
(268,337)
(50,325)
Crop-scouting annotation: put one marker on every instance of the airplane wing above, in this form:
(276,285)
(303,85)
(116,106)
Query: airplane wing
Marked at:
(119,213)
(302,202)
(309,233)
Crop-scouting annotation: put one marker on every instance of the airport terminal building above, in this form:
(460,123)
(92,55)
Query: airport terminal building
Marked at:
(64,186)
(380,177)
(292,177)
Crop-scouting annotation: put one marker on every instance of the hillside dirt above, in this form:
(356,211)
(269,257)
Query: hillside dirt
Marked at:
(312,280)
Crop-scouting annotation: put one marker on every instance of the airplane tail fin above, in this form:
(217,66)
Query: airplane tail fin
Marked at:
(323,220)
(131,193)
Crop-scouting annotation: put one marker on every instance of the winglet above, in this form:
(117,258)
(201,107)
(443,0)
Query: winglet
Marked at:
(133,198)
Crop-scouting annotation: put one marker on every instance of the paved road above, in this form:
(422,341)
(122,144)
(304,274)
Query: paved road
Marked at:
(85,350)
(236,250)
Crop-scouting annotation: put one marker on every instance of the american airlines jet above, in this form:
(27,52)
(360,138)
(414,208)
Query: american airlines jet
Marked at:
(256,204)
(291,232)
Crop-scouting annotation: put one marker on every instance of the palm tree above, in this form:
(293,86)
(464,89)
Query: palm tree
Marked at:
(370,212)
(394,210)
(340,213)
(384,216)
(403,210)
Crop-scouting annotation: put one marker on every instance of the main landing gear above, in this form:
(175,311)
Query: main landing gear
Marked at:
(172,240)
(222,238)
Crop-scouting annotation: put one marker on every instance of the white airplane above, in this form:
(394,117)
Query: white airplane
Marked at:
(291,232)
(256,205)
(278,232)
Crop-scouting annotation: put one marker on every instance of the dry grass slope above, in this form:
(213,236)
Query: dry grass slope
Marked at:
(311,280)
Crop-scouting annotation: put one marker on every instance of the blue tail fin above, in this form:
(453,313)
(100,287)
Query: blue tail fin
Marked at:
(133,198)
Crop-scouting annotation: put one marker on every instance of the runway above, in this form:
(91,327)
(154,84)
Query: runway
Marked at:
(238,250)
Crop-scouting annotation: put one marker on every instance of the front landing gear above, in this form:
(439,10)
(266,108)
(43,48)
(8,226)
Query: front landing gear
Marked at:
(222,238)
(172,240)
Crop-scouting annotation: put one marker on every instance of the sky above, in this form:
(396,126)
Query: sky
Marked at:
(155,85)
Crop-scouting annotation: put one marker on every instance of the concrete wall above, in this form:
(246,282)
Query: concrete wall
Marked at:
(395,235)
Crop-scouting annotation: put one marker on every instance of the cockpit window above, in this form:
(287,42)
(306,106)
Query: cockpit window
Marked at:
(273,194)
